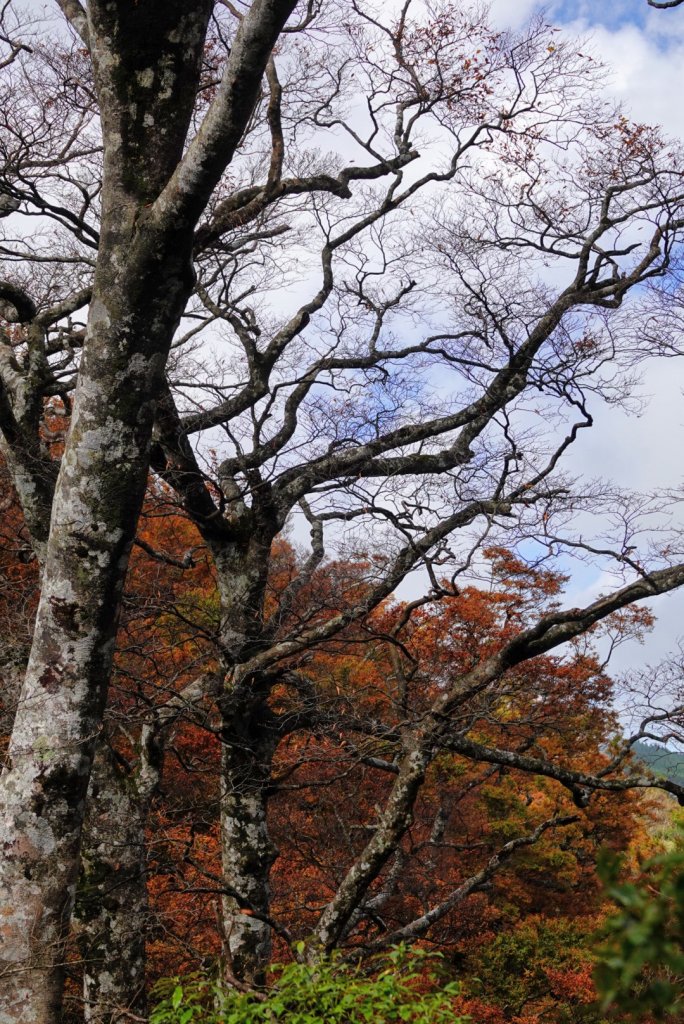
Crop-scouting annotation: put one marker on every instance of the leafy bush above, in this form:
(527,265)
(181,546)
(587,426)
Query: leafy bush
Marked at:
(403,989)
(641,966)
(540,970)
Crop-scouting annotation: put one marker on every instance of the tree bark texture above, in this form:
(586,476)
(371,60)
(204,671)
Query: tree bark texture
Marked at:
(247,852)
(111,912)
(249,740)
(146,60)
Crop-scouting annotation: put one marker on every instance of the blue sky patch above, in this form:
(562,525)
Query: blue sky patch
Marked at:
(613,14)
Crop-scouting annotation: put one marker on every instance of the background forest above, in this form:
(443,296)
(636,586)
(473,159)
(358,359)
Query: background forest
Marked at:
(497,870)
(311,601)
(498,867)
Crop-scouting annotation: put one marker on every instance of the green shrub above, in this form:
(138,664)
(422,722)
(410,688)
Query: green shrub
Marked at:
(541,968)
(641,965)
(403,988)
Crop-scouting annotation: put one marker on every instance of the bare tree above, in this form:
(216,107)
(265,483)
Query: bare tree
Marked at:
(146,68)
(390,451)
(418,249)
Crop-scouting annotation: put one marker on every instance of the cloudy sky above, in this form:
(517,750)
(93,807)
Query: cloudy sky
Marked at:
(644,47)
(645,51)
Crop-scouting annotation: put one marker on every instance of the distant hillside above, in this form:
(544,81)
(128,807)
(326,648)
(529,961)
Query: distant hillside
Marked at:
(668,763)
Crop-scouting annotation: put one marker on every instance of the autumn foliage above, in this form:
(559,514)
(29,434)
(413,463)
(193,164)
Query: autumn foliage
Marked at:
(521,942)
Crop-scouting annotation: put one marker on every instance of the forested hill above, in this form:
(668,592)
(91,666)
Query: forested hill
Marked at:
(669,763)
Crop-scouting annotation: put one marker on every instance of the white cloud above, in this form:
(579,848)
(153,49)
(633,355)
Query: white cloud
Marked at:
(511,13)
(646,61)
(646,76)
(643,453)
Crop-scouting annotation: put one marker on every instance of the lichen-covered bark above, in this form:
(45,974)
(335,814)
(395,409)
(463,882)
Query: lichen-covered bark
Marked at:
(240,541)
(146,61)
(248,740)
(32,471)
(111,912)
(247,851)
(98,496)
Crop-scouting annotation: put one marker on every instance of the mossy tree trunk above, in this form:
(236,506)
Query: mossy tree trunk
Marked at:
(146,61)
(112,912)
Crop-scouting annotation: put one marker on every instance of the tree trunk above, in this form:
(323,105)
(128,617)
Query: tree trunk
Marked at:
(247,851)
(99,493)
(142,282)
(248,739)
(146,62)
(111,912)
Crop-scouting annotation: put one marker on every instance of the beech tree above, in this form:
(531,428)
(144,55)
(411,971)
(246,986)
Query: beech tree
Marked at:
(146,65)
(358,270)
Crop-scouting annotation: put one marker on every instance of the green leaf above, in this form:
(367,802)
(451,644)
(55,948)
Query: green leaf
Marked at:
(177,997)
(328,993)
